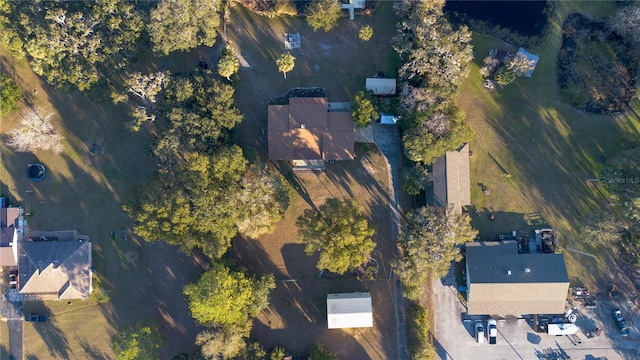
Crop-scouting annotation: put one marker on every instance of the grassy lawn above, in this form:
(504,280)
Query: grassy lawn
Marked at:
(86,193)
(4,340)
(338,61)
(296,317)
(534,152)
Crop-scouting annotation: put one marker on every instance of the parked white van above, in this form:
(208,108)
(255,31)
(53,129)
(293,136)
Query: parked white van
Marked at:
(479,332)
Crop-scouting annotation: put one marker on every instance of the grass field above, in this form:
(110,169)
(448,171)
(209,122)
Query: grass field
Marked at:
(4,340)
(85,193)
(534,152)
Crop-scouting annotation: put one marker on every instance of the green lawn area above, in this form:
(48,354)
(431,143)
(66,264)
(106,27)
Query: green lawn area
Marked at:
(534,152)
(4,340)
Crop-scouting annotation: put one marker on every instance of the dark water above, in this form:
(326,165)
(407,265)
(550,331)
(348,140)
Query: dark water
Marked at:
(525,17)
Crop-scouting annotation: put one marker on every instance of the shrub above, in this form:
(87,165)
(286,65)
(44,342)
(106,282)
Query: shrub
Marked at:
(420,347)
(10,94)
(365,33)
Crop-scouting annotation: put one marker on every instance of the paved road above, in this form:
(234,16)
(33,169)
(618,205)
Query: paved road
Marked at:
(387,139)
(11,309)
(15,339)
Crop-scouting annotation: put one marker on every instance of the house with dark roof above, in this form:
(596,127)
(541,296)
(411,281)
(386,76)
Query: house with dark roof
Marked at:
(305,130)
(55,270)
(503,283)
(10,233)
(451,180)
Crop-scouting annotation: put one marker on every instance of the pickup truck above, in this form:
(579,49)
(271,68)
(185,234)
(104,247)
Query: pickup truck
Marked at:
(622,324)
(36,317)
(492,331)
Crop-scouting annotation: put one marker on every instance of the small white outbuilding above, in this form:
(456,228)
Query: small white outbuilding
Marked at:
(349,310)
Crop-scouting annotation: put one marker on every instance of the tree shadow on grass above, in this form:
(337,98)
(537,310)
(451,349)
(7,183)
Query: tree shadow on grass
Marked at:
(90,351)
(54,338)
(31,357)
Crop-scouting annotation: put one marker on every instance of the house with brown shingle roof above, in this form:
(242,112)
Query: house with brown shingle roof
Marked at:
(451,180)
(503,283)
(306,130)
(55,270)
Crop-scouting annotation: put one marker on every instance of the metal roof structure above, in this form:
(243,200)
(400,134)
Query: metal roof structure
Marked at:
(502,282)
(349,310)
(381,86)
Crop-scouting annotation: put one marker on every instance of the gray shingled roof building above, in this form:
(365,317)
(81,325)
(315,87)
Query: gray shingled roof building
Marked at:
(55,270)
(451,180)
(501,282)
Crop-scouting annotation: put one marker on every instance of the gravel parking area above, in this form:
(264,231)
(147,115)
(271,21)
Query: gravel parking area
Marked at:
(454,334)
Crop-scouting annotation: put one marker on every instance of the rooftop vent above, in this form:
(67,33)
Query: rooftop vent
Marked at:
(509,272)
(527,270)
(303,126)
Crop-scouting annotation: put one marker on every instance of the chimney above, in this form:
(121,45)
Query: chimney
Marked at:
(527,270)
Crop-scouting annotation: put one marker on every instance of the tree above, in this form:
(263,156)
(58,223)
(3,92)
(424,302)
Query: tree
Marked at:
(429,245)
(319,352)
(137,343)
(35,132)
(285,63)
(261,201)
(431,134)
(191,208)
(435,56)
(228,64)
(602,227)
(227,298)
(339,232)
(626,23)
(414,180)
(10,94)
(144,88)
(277,353)
(323,14)
(223,342)
(76,43)
(362,109)
(365,33)
(183,25)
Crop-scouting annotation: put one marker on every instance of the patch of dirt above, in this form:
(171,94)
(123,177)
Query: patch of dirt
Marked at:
(596,68)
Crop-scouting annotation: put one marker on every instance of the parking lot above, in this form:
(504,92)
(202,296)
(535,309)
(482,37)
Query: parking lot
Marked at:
(454,333)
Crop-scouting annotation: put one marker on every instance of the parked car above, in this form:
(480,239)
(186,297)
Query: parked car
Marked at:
(30,317)
(492,331)
(620,321)
(480,332)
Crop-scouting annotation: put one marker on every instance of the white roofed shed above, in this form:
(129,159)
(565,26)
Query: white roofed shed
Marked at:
(350,310)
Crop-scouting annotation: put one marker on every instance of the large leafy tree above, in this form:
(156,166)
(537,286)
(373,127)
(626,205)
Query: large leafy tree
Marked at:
(323,14)
(75,42)
(10,94)
(435,56)
(429,245)
(140,342)
(339,232)
(35,132)
(192,207)
(183,25)
(430,134)
(223,342)
(200,109)
(319,352)
(261,201)
(227,298)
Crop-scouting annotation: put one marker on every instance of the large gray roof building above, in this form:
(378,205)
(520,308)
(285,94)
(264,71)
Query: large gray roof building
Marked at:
(501,282)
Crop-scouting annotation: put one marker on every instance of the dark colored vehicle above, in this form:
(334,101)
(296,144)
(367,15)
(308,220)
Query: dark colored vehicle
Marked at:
(622,324)
(36,317)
